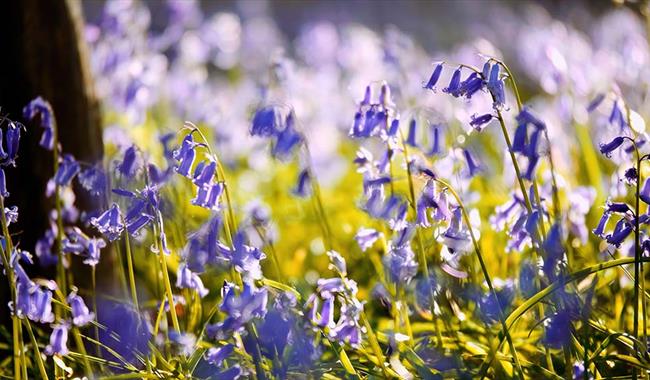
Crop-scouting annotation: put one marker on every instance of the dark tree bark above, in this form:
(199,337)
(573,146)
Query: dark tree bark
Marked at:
(43,53)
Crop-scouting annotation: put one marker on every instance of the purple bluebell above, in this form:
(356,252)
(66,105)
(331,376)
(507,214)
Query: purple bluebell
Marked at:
(133,226)
(456,237)
(622,230)
(602,224)
(617,207)
(68,168)
(81,315)
(216,355)
(400,264)
(204,172)
(186,279)
(527,117)
(454,83)
(496,87)
(267,122)
(435,76)
(617,117)
(208,196)
(337,262)
(370,183)
(3,183)
(436,147)
(644,193)
(519,141)
(630,176)
(384,95)
(242,257)
(478,122)
(41,109)
(471,85)
(557,329)
(473,166)
(185,155)
(303,186)
(58,341)
(366,237)
(41,305)
(43,247)
(13,142)
(287,139)
(326,318)
(529,174)
(611,146)
(3,154)
(411,139)
(240,309)
(527,279)
(367,96)
(128,166)
(347,328)
(109,223)
(93,180)
(595,102)
(554,249)
(491,305)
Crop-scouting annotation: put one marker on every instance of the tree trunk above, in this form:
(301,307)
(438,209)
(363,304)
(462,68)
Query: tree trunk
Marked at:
(43,53)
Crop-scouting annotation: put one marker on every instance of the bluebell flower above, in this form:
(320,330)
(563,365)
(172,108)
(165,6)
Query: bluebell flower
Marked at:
(267,122)
(303,186)
(13,142)
(527,279)
(41,109)
(473,166)
(384,95)
(616,116)
(471,85)
(208,196)
(186,279)
(400,264)
(204,172)
(519,141)
(109,223)
(436,147)
(337,262)
(133,226)
(40,302)
(81,315)
(496,87)
(366,237)
(617,207)
(185,155)
(347,329)
(217,355)
(93,180)
(287,139)
(367,96)
(527,117)
(493,304)
(410,140)
(557,329)
(622,230)
(435,76)
(478,122)
(128,166)
(611,146)
(68,168)
(595,102)
(3,182)
(602,224)
(240,309)
(644,193)
(126,332)
(554,249)
(58,341)
(243,258)
(529,174)
(456,237)
(3,154)
(454,83)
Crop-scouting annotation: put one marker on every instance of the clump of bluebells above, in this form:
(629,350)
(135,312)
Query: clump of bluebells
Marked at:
(431,260)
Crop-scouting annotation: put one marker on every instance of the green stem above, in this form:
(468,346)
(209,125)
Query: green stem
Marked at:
(37,351)
(165,274)
(129,263)
(487,277)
